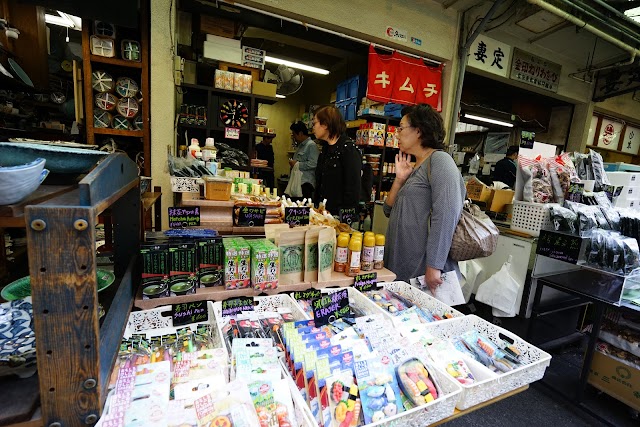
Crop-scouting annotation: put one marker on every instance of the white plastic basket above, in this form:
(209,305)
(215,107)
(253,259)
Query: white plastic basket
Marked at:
(184,185)
(158,322)
(530,217)
(419,298)
(535,361)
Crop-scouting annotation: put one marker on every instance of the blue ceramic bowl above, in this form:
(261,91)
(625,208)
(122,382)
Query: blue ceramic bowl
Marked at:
(59,159)
(17,182)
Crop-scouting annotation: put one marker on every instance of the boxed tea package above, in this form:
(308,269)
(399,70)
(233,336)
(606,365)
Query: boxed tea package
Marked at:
(264,264)
(155,270)
(244,263)
(230,263)
(210,262)
(183,268)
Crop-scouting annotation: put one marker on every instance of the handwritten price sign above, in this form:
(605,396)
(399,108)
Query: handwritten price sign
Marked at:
(192,312)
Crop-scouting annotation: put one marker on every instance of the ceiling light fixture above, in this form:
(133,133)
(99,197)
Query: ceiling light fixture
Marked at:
(296,65)
(64,20)
(280,96)
(487,120)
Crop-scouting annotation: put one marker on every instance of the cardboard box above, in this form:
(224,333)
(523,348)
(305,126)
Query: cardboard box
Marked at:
(224,41)
(617,378)
(264,89)
(217,26)
(213,50)
(500,199)
(477,191)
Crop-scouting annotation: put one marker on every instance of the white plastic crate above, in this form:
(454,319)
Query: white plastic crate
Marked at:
(535,361)
(530,218)
(158,321)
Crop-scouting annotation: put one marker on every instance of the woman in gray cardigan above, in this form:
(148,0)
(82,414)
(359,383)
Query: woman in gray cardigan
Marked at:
(412,247)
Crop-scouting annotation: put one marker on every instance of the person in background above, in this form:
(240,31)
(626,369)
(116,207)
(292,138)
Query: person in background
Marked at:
(307,155)
(423,209)
(339,166)
(506,168)
(264,151)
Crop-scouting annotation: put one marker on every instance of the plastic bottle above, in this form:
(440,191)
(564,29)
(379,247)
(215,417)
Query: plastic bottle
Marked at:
(353,263)
(209,153)
(342,243)
(368,252)
(194,147)
(378,252)
(182,151)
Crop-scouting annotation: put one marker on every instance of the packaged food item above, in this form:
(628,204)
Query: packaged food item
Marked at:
(599,174)
(291,246)
(378,252)
(229,405)
(353,261)
(342,253)
(326,250)
(563,219)
(231,262)
(311,254)
(182,268)
(210,262)
(368,249)
(155,269)
(537,181)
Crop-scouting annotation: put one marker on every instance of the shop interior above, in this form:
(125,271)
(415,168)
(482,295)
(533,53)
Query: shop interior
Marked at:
(87,83)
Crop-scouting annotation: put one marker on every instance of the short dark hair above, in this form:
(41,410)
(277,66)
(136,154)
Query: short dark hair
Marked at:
(298,127)
(430,124)
(512,150)
(332,118)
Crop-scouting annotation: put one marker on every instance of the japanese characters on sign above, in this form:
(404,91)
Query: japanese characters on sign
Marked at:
(249,216)
(252,57)
(631,141)
(560,246)
(298,215)
(233,306)
(180,217)
(330,307)
(403,80)
(232,133)
(365,282)
(189,312)
(536,71)
(490,55)
(616,81)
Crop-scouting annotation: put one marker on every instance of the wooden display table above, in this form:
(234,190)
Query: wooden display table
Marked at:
(218,293)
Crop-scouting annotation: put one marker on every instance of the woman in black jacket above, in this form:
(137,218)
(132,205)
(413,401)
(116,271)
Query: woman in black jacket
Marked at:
(339,164)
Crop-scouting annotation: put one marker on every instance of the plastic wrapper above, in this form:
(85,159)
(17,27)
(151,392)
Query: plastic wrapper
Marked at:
(561,176)
(488,353)
(563,219)
(582,164)
(612,216)
(597,165)
(629,223)
(589,217)
(537,180)
(612,252)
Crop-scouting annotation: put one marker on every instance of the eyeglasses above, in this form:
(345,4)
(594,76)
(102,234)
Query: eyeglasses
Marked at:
(401,128)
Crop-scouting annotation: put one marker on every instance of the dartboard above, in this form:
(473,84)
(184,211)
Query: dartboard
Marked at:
(126,86)
(106,101)
(128,107)
(102,81)
(233,113)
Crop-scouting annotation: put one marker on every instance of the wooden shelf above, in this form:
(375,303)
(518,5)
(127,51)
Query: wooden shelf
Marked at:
(219,293)
(148,199)
(381,118)
(190,126)
(13,215)
(115,61)
(117,132)
(354,124)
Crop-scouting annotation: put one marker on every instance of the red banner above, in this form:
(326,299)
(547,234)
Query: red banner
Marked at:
(403,80)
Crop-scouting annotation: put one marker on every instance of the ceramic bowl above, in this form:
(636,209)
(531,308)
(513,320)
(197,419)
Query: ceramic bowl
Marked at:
(213,278)
(59,159)
(17,182)
(182,287)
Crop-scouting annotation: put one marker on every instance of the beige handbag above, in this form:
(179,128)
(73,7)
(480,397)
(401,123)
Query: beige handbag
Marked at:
(476,236)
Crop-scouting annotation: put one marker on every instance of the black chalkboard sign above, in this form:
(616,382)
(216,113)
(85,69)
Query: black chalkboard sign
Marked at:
(189,312)
(527,139)
(250,216)
(307,294)
(297,215)
(181,217)
(560,246)
(234,306)
(348,215)
(365,282)
(330,307)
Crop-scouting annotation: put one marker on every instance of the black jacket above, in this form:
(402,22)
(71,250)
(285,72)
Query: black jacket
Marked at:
(338,175)
(505,172)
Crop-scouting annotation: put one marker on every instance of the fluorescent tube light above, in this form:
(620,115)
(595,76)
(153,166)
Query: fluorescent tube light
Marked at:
(280,96)
(64,20)
(487,120)
(296,65)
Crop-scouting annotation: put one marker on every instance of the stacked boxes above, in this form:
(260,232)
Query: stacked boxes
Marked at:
(630,195)
(183,268)
(392,137)
(210,262)
(371,134)
(237,261)
(265,265)
(228,80)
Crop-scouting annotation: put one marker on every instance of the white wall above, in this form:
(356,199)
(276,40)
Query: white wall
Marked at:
(162,98)
(622,106)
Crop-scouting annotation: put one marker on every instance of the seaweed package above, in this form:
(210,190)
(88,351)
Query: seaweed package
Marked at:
(631,255)
(612,216)
(602,200)
(582,163)
(597,165)
(563,219)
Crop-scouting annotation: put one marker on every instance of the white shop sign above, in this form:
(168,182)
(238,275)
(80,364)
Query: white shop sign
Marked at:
(609,135)
(490,55)
(631,142)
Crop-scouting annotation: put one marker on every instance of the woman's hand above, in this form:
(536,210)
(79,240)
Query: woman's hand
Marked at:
(433,279)
(403,167)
